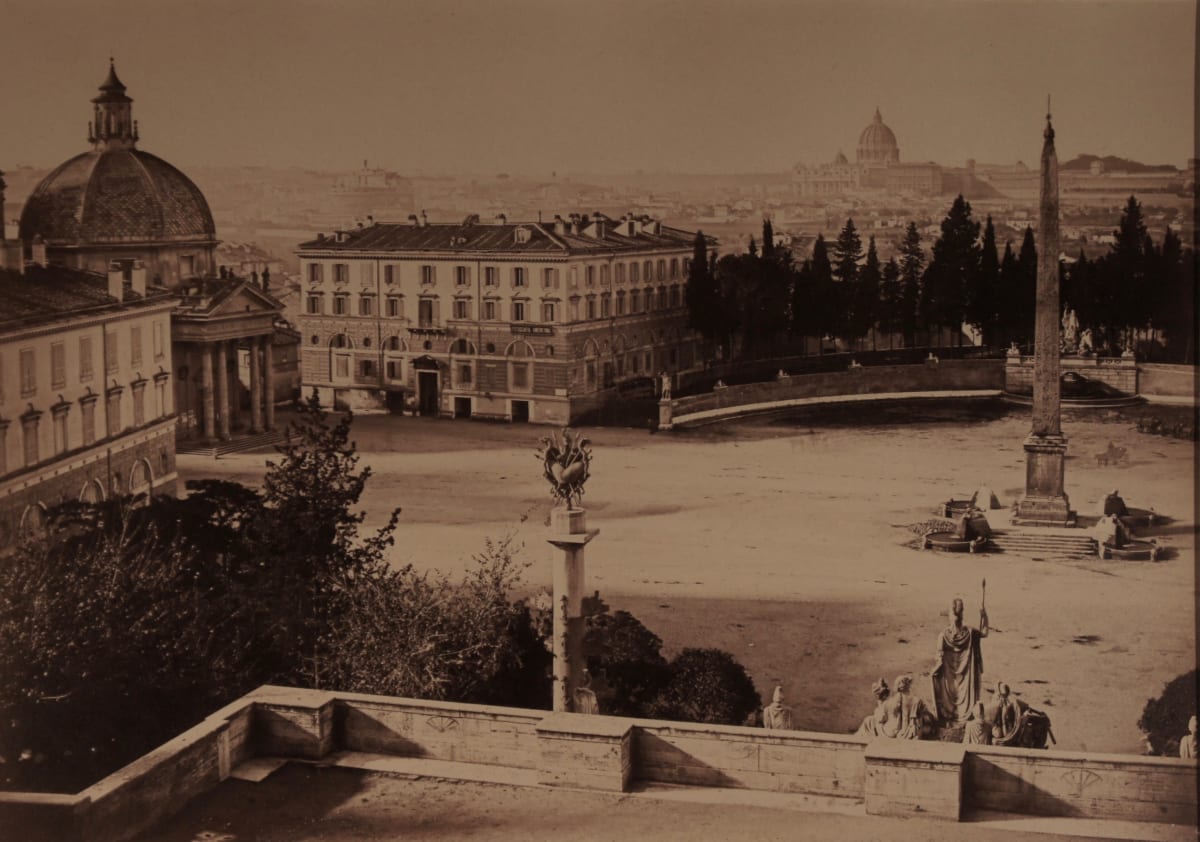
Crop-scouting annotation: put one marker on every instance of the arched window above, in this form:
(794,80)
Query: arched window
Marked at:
(462,346)
(141,478)
(519,348)
(93,492)
(393,343)
(33,521)
(341,340)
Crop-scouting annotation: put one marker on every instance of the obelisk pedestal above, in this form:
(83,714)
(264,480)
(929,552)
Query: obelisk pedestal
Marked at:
(568,535)
(1045,502)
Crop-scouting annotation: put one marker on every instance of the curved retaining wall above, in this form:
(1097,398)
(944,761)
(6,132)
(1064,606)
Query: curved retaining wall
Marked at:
(1161,383)
(962,378)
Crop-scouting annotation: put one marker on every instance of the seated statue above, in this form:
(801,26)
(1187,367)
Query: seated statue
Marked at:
(978,729)
(872,726)
(1187,744)
(977,520)
(985,499)
(907,717)
(1007,716)
(1114,505)
(963,530)
(777,716)
(585,696)
(1086,342)
(1111,532)
(1014,723)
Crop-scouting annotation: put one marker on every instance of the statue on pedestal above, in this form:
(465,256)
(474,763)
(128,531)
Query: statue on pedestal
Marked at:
(978,730)
(872,726)
(665,379)
(1070,330)
(1187,744)
(959,665)
(777,716)
(1087,342)
(908,717)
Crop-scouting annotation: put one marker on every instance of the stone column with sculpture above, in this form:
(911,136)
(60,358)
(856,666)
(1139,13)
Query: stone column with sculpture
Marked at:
(566,464)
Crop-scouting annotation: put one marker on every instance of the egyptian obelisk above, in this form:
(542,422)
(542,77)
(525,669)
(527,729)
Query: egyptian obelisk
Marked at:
(1045,502)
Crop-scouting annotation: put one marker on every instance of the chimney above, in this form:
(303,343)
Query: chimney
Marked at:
(266,279)
(560,225)
(137,278)
(38,250)
(501,219)
(412,217)
(574,223)
(116,281)
(370,220)
(598,225)
(424,219)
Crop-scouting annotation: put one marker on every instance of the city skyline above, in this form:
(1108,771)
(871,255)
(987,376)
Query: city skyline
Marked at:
(534,87)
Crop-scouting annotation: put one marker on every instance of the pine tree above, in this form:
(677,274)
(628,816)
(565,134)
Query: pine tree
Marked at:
(702,296)
(953,269)
(824,304)
(753,249)
(891,300)
(1009,316)
(865,295)
(1027,288)
(912,269)
(768,239)
(983,296)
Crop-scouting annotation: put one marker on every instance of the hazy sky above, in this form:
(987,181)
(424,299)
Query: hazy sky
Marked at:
(531,86)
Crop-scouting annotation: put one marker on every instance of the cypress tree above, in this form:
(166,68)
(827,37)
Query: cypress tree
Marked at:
(953,269)
(768,238)
(912,268)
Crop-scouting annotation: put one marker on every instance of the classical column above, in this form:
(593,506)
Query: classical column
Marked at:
(1045,503)
(208,427)
(268,385)
(222,391)
(569,535)
(235,409)
(256,409)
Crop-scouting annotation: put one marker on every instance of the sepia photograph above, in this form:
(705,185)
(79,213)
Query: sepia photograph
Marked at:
(540,419)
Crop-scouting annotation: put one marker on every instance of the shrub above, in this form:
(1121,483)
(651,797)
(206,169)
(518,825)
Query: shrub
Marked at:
(1165,719)
(707,685)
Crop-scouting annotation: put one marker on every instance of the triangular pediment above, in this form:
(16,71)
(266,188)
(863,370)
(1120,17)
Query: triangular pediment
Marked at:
(244,298)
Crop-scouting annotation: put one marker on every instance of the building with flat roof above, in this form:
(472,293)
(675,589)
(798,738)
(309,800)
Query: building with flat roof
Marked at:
(522,321)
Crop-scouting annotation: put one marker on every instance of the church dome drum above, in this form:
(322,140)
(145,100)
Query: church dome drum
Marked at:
(877,143)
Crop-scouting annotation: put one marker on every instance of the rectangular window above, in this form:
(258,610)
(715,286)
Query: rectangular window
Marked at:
(675,296)
(547,311)
(620,273)
(662,298)
(366,273)
(88,416)
(589,276)
(114,413)
(366,368)
(316,273)
(366,305)
(462,308)
(342,367)
(605,307)
(427,274)
(604,275)
(393,307)
(28,373)
(425,313)
(462,275)
(549,277)
(662,270)
(341,273)
(620,304)
(158,340)
(29,431)
(518,276)
(634,301)
(339,305)
(135,346)
(160,396)
(464,374)
(633,272)
(110,352)
(573,309)
(591,308)
(58,365)
(314,304)
(489,310)
(85,358)
(491,276)
(520,375)
(389,274)
(518,311)
(139,404)
(395,370)
(60,432)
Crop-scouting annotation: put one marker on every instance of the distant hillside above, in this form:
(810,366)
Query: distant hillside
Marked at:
(1112,163)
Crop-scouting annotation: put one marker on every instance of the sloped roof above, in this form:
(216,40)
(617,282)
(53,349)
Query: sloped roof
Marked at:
(47,293)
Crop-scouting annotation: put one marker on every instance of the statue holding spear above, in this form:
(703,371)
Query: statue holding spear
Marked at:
(958,668)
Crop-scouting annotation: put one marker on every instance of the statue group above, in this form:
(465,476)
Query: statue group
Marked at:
(958,705)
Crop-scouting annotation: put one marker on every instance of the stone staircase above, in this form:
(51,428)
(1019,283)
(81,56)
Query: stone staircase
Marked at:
(215,450)
(1043,544)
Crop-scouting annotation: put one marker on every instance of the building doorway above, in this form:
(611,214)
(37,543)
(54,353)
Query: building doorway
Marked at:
(427,390)
(520,412)
(462,407)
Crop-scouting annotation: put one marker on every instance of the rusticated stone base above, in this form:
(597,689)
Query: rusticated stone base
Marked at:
(1045,502)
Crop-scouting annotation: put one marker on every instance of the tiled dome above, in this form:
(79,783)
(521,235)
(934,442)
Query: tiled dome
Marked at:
(116,196)
(877,143)
(116,193)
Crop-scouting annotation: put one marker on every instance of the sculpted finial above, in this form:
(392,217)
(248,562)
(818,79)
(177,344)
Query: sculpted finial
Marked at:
(566,464)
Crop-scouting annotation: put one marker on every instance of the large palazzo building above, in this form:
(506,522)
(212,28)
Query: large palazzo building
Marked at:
(117,208)
(523,321)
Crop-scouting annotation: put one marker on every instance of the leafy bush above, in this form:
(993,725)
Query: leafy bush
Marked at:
(1164,720)
(706,685)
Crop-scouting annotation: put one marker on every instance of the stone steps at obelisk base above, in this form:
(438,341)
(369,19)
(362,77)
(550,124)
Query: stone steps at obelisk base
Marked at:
(1031,543)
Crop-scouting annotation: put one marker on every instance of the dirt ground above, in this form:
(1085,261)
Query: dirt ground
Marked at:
(782,541)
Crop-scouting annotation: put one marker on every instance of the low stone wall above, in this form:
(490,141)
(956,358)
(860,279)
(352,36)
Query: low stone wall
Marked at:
(1101,786)
(1168,383)
(889,777)
(946,375)
(749,758)
(1119,372)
